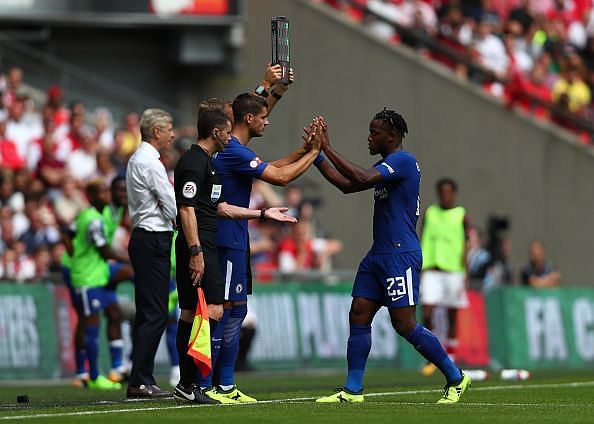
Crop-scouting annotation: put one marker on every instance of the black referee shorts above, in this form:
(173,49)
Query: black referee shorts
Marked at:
(212,281)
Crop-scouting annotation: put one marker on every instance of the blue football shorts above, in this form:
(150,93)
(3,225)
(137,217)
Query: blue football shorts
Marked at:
(391,279)
(91,300)
(233,263)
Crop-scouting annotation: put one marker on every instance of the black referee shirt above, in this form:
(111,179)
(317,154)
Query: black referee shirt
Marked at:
(197,184)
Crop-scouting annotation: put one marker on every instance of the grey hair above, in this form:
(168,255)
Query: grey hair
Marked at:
(151,119)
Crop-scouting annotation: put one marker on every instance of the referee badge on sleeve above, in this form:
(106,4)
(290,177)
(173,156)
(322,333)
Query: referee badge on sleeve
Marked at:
(189,190)
(216,192)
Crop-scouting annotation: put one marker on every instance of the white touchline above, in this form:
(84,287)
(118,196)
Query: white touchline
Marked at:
(301,399)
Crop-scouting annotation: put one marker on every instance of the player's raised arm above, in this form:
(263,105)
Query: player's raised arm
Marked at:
(283,175)
(270,89)
(278,89)
(361,178)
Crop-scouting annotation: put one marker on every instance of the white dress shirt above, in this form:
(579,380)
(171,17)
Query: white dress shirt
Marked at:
(151,198)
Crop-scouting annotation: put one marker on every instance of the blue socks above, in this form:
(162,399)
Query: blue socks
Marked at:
(116,351)
(79,359)
(230,346)
(425,342)
(358,348)
(216,336)
(171,334)
(92,347)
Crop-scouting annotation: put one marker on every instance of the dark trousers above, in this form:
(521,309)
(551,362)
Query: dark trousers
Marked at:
(150,254)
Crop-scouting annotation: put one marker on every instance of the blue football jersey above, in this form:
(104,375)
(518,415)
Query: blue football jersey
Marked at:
(237,167)
(397,204)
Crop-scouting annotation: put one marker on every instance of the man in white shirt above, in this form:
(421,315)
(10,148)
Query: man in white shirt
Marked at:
(151,202)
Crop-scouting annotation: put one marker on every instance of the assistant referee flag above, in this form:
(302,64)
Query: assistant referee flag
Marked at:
(199,343)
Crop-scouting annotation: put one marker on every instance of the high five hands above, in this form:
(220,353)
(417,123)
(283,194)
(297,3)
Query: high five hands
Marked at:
(316,136)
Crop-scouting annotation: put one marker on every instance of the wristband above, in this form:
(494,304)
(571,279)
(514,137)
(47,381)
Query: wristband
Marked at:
(276,95)
(195,250)
(319,159)
(261,91)
(263,214)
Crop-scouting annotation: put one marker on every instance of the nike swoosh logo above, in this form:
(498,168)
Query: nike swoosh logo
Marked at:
(193,397)
(216,340)
(394,299)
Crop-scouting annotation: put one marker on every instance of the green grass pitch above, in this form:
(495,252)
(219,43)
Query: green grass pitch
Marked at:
(392,396)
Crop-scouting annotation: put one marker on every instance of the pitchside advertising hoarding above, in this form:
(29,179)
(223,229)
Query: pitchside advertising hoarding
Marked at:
(305,325)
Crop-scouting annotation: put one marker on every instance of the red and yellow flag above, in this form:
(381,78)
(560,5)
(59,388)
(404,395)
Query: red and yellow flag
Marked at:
(199,343)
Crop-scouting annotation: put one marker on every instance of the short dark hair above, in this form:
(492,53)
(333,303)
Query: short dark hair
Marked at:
(94,186)
(212,103)
(210,119)
(394,120)
(247,103)
(118,179)
(446,181)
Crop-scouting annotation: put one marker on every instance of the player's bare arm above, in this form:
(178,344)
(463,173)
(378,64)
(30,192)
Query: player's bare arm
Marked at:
(270,88)
(293,156)
(108,253)
(281,176)
(338,180)
(363,178)
(278,89)
(228,211)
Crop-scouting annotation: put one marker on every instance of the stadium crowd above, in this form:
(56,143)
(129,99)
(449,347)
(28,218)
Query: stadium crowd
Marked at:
(538,54)
(48,153)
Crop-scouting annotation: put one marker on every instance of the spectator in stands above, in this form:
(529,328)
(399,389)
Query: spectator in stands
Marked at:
(490,49)
(104,132)
(14,81)
(451,37)
(169,158)
(7,234)
(70,202)
(10,157)
(301,251)
(42,260)
(82,163)
(264,249)
(515,47)
(54,108)
(15,201)
(77,132)
(39,232)
(572,83)
(56,252)
(16,265)
(130,134)
(11,268)
(53,152)
(105,170)
(20,129)
(477,258)
(532,94)
(539,272)
(13,206)
(293,197)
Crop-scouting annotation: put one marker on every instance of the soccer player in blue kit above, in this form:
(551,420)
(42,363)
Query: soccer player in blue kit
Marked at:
(389,274)
(237,166)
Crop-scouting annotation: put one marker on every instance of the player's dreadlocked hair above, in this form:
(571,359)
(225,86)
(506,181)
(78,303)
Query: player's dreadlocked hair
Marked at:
(394,120)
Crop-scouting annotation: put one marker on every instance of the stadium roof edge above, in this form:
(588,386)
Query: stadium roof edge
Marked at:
(119,20)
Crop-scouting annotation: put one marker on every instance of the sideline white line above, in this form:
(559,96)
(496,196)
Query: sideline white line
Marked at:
(301,399)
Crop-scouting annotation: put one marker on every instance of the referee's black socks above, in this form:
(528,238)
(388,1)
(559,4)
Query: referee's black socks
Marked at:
(187,367)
